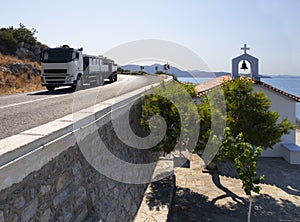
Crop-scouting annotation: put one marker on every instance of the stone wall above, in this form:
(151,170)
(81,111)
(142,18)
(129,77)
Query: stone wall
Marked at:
(68,188)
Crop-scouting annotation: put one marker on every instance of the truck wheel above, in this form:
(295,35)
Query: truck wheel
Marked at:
(115,78)
(78,85)
(50,88)
(112,78)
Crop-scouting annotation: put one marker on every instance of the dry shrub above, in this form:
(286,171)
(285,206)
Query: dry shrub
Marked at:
(37,80)
(18,82)
(9,81)
(21,81)
(1,76)
(5,60)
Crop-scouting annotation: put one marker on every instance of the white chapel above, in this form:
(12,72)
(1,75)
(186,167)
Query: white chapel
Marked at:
(282,102)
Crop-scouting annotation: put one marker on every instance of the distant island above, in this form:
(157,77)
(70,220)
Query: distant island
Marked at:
(152,69)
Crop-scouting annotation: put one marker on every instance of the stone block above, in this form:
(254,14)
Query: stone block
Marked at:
(32,193)
(62,196)
(116,192)
(45,189)
(67,212)
(28,214)
(46,215)
(111,217)
(13,218)
(82,215)
(111,184)
(80,197)
(76,169)
(133,209)
(63,181)
(19,202)
(127,201)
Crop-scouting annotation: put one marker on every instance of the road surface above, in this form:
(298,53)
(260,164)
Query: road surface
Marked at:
(20,112)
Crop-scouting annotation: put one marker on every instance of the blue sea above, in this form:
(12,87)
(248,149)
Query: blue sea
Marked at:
(288,84)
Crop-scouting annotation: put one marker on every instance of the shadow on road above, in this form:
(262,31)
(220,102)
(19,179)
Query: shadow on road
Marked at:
(64,90)
(54,92)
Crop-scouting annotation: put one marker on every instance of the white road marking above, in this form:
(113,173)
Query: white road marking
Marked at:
(31,101)
(51,97)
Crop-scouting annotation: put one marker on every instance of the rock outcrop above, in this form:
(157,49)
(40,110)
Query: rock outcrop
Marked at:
(27,51)
(16,67)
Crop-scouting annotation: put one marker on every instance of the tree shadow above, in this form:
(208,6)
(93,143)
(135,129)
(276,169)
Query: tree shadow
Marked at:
(191,206)
(64,90)
(161,192)
(181,162)
(280,173)
(277,172)
(216,180)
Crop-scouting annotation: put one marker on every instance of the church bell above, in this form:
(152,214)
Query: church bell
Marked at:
(244,66)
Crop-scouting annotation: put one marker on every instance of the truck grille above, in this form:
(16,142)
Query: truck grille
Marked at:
(55,70)
(55,79)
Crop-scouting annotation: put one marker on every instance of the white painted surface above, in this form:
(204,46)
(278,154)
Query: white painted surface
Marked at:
(285,107)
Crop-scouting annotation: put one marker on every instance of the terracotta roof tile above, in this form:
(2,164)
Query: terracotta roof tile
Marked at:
(204,88)
(291,96)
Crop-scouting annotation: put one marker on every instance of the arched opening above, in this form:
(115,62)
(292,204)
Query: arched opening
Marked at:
(251,63)
(244,68)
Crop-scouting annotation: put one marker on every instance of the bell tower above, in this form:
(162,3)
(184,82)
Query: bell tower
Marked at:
(245,57)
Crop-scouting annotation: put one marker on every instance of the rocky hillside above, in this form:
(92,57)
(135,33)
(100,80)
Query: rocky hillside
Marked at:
(19,60)
(20,42)
(18,75)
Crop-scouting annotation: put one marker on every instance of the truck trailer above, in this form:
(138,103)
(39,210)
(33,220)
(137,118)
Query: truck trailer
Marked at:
(65,66)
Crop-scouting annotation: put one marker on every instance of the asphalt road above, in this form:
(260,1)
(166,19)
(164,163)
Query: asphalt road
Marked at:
(24,111)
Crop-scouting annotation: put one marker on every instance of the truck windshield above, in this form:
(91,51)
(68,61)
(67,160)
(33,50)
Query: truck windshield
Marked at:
(52,56)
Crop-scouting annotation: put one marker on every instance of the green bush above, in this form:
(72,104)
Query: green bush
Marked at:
(7,41)
(23,34)
(173,103)
(10,37)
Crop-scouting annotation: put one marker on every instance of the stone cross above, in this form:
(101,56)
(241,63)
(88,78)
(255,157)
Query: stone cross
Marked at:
(245,48)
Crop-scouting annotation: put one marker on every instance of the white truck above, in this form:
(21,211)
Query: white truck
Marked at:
(65,66)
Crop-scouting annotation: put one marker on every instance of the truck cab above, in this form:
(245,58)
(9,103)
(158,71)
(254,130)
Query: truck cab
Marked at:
(65,66)
(61,66)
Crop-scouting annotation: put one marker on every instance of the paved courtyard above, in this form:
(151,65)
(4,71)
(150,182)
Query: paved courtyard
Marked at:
(219,197)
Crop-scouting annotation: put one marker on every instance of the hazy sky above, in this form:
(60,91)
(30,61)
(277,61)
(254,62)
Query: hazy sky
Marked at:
(213,29)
